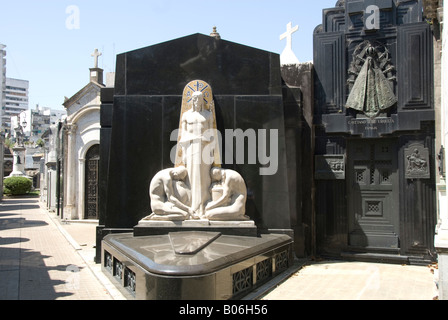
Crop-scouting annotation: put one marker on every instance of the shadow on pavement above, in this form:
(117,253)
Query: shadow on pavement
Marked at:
(15,223)
(26,277)
(26,274)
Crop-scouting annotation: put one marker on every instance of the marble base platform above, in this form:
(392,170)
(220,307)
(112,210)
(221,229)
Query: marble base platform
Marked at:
(234,228)
(193,265)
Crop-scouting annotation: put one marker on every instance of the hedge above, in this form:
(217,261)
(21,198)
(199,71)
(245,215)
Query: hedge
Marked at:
(17,186)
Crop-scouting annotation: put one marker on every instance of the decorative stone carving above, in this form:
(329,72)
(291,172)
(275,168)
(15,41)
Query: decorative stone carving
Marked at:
(186,192)
(215,34)
(417,160)
(19,135)
(372,92)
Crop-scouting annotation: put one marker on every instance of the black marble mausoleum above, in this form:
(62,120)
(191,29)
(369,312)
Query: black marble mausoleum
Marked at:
(138,118)
(374,132)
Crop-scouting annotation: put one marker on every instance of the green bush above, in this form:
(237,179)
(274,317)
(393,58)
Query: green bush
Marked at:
(17,186)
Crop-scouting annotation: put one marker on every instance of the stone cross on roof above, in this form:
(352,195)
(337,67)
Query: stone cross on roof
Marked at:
(288,56)
(95,55)
(288,34)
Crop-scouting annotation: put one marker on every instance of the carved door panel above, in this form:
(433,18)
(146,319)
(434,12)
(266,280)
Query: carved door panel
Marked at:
(91,183)
(372,194)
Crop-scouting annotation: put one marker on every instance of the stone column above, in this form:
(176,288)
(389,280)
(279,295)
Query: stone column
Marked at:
(70,208)
(81,192)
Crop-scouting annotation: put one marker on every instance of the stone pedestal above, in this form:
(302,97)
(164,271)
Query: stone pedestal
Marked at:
(193,265)
(235,228)
(18,170)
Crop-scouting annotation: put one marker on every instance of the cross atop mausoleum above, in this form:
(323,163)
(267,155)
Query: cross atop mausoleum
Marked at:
(288,56)
(288,34)
(95,55)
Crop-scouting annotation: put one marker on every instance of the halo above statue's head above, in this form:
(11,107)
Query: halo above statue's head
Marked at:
(197,86)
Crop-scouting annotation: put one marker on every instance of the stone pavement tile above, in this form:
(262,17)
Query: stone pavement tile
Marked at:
(49,267)
(83,233)
(9,255)
(356,281)
(82,236)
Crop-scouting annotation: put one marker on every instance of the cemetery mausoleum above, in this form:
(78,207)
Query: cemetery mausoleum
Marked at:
(375,132)
(337,156)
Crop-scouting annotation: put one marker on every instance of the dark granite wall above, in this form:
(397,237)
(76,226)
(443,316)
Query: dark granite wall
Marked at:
(146,104)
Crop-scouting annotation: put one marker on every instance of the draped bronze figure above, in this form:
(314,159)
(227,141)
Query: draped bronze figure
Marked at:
(372,92)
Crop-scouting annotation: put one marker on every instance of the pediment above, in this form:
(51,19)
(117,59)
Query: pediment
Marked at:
(81,98)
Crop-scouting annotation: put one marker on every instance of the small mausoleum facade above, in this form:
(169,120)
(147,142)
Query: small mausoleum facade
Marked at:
(374,125)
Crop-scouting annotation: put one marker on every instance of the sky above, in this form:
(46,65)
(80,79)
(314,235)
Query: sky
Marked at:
(50,42)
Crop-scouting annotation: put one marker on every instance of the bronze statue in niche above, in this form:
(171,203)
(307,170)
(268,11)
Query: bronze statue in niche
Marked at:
(370,77)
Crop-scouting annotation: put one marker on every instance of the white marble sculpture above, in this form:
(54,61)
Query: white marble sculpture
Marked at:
(229,194)
(19,154)
(196,124)
(170,196)
(198,188)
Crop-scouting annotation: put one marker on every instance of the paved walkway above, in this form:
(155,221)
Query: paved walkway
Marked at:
(39,260)
(339,280)
(42,258)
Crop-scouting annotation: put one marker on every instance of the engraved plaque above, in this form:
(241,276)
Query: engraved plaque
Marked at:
(330,167)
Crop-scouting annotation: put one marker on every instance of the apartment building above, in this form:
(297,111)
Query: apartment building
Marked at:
(15,101)
(2,77)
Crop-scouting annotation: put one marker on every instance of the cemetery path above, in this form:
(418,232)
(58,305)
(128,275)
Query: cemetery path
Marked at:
(38,261)
(42,258)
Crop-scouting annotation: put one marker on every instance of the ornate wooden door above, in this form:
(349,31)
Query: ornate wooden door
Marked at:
(91,183)
(373,199)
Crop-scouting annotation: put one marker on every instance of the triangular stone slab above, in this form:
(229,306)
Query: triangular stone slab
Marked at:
(191,242)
